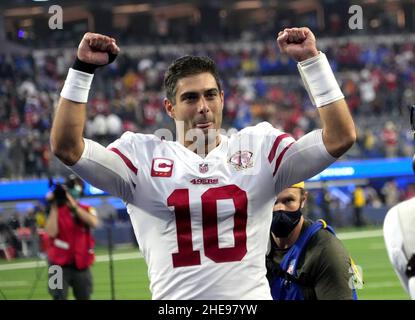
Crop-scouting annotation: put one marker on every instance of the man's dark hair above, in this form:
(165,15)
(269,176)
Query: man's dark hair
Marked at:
(187,66)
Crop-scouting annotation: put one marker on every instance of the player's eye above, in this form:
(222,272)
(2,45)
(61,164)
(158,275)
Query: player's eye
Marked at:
(288,201)
(211,95)
(190,98)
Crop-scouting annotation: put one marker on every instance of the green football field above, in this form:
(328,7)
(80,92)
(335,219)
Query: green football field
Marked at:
(27,279)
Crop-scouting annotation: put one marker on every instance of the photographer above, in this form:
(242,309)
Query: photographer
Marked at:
(71,242)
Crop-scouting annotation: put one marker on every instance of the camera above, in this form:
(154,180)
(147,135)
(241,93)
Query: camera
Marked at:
(73,185)
(58,191)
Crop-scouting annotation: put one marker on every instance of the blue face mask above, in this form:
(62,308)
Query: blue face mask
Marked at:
(283,222)
(76,192)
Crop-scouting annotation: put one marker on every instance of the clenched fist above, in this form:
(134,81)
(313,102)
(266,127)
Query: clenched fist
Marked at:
(297,43)
(96,48)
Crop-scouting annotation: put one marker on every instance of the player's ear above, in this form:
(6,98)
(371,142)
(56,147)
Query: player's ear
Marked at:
(169,107)
(304,199)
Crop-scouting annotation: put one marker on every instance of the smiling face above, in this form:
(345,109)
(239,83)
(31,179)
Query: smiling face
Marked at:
(197,109)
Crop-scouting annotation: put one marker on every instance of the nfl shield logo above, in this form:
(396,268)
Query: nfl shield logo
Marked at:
(203,167)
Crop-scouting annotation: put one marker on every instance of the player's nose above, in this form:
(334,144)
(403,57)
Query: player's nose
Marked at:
(203,105)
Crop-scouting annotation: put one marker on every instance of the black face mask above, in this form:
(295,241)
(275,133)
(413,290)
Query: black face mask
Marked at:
(283,222)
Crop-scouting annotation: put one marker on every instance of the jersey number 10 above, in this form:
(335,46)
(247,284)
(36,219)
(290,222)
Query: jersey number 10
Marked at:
(186,256)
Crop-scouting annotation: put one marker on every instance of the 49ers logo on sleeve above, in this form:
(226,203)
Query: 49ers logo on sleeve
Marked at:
(242,160)
(162,167)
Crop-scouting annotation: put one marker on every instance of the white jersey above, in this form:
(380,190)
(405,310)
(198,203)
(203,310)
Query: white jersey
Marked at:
(203,224)
(399,234)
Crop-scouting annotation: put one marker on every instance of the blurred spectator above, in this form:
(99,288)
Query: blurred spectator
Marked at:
(13,225)
(40,216)
(390,140)
(409,192)
(369,143)
(372,197)
(114,125)
(367,91)
(390,193)
(14,222)
(326,204)
(359,202)
(29,222)
(8,247)
(100,129)
(377,79)
(407,143)
(3,158)
(16,152)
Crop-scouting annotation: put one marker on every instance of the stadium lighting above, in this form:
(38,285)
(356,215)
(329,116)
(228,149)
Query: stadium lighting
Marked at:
(23,12)
(243,5)
(21,34)
(133,8)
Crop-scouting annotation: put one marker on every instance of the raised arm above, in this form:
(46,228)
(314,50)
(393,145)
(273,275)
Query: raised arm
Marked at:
(66,135)
(339,132)
(86,216)
(101,167)
(51,226)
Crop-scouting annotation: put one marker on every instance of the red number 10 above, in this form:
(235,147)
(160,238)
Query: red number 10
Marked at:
(186,256)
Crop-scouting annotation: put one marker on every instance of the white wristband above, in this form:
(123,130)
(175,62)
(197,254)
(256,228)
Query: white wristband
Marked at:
(319,80)
(77,85)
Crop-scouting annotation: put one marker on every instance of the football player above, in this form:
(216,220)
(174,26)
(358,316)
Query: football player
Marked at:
(201,205)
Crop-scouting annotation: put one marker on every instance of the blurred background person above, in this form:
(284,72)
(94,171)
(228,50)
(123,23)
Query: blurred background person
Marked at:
(390,193)
(359,202)
(71,244)
(325,203)
(390,139)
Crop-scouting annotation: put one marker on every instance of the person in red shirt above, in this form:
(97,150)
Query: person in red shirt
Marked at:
(390,139)
(71,242)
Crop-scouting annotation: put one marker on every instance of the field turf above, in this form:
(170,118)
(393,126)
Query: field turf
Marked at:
(27,278)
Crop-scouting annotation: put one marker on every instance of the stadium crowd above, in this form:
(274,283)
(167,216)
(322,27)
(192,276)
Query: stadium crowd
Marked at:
(377,79)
